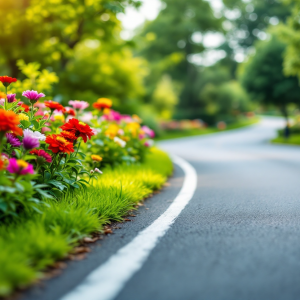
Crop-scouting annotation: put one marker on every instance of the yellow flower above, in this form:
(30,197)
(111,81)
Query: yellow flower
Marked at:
(23,117)
(112,130)
(59,118)
(125,138)
(133,128)
(96,157)
(106,111)
(22,163)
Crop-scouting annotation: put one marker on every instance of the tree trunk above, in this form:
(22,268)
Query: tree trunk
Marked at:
(286,116)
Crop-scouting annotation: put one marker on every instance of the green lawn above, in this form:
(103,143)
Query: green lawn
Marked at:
(294,139)
(194,132)
(37,240)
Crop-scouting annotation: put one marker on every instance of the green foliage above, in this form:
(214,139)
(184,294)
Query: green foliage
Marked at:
(77,40)
(101,71)
(289,33)
(264,79)
(19,194)
(35,79)
(175,134)
(165,97)
(35,241)
(167,44)
(255,17)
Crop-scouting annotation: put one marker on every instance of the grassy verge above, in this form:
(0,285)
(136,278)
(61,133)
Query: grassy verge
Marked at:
(294,139)
(37,240)
(194,132)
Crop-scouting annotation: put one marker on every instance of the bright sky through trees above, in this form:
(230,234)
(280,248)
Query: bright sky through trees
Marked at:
(134,18)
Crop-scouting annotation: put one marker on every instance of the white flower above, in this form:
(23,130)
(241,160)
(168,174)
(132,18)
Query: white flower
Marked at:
(34,134)
(120,142)
(97,170)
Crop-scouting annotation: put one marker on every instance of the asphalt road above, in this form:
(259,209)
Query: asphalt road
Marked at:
(238,238)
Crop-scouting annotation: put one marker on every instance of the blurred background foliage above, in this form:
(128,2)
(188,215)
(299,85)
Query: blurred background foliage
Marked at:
(193,61)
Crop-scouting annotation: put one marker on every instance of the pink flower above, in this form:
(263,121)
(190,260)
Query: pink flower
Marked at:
(78,104)
(11,98)
(149,132)
(126,118)
(43,154)
(40,105)
(2,101)
(95,131)
(87,117)
(20,167)
(112,116)
(45,129)
(33,96)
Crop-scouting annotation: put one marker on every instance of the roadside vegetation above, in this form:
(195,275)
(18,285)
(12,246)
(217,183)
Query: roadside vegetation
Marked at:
(36,240)
(174,134)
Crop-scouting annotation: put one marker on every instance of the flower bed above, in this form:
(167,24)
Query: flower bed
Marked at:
(51,195)
(35,240)
(48,150)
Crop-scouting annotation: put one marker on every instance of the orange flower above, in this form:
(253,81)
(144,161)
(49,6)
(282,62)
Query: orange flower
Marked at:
(69,136)
(59,144)
(96,157)
(54,105)
(78,129)
(2,95)
(102,103)
(9,121)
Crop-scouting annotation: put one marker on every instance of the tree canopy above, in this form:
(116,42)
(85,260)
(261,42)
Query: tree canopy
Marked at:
(264,79)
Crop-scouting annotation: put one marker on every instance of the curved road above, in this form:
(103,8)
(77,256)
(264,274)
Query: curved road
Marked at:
(239,236)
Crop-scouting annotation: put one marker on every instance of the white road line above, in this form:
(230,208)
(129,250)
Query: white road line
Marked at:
(108,280)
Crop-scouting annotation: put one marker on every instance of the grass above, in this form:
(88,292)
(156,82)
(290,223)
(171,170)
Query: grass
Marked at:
(36,241)
(294,139)
(194,132)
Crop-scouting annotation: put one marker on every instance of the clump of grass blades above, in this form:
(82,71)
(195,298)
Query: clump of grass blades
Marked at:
(35,240)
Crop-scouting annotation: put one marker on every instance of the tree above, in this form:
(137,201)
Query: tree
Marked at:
(168,44)
(78,40)
(263,77)
(47,31)
(289,33)
(253,19)
(164,97)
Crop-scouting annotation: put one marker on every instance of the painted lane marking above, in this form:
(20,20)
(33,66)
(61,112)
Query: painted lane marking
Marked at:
(108,280)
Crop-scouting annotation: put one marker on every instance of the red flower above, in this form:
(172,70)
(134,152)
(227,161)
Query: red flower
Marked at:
(79,129)
(54,105)
(26,107)
(6,80)
(59,144)
(42,153)
(9,121)
(69,136)
(69,111)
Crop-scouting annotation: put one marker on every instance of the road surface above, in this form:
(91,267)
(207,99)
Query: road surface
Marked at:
(237,238)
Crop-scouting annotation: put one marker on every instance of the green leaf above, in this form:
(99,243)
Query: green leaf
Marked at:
(57,184)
